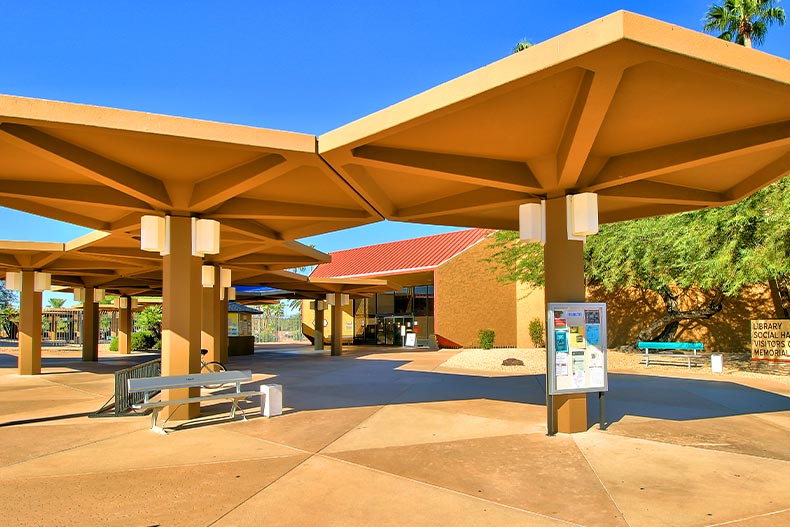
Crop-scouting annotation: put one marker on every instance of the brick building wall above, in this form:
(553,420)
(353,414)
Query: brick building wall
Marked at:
(469,298)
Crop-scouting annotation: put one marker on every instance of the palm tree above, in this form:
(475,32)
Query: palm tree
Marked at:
(743,21)
(56,303)
(521,46)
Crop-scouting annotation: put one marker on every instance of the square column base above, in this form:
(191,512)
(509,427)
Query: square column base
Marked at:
(570,413)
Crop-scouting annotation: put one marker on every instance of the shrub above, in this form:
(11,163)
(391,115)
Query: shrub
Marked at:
(114,344)
(142,340)
(486,338)
(537,333)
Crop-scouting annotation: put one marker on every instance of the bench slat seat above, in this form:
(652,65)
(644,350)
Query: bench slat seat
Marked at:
(152,385)
(693,346)
(660,347)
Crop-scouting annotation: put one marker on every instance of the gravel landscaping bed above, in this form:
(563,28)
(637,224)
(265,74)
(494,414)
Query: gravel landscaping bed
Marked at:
(535,363)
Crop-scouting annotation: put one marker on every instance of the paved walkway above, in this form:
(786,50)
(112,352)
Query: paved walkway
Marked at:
(391,439)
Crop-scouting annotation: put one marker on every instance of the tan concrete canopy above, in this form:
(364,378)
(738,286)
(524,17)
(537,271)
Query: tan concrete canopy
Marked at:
(104,168)
(116,263)
(654,118)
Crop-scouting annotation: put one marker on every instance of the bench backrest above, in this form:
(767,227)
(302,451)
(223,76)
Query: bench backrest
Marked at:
(150,384)
(671,345)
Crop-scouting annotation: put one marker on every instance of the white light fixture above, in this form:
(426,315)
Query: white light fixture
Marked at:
(207,275)
(330,299)
(155,234)
(317,305)
(98,296)
(13,281)
(231,293)
(582,215)
(79,294)
(225,277)
(123,302)
(205,237)
(41,281)
(532,222)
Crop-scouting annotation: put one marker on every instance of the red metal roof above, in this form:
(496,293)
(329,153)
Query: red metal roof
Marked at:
(417,254)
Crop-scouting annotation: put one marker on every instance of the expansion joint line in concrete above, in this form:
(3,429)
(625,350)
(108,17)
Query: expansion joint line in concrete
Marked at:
(603,485)
(740,520)
(305,460)
(458,493)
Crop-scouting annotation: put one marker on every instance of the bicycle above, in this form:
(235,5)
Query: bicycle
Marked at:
(210,367)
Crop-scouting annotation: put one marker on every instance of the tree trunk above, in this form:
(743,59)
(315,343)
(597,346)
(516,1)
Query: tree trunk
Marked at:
(780,294)
(665,328)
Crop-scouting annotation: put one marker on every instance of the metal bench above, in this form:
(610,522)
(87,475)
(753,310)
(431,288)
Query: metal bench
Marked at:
(693,347)
(149,386)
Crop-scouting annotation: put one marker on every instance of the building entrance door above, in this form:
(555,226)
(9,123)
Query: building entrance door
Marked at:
(389,329)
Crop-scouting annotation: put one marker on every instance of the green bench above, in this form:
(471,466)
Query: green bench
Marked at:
(655,349)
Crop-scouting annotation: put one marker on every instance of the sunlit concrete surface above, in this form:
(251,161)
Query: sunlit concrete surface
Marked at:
(392,438)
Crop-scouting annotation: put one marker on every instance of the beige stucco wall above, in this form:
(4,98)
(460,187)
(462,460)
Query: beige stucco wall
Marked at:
(469,298)
(308,319)
(530,304)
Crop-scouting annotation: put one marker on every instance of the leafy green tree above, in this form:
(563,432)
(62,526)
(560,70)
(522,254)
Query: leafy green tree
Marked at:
(56,303)
(718,251)
(9,315)
(7,297)
(743,21)
(149,320)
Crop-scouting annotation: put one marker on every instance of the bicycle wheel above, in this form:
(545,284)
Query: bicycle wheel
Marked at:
(212,367)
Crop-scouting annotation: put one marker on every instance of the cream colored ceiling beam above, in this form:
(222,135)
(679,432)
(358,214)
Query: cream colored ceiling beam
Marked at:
(7,260)
(91,165)
(44,260)
(54,213)
(653,192)
(262,209)
(80,264)
(496,173)
(593,99)
(656,161)
(764,176)
(465,202)
(128,223)
(240,249)
(85,240)
(367,187)
(266,259)
(225,185)
(127,254)
(256,230)
(87,194)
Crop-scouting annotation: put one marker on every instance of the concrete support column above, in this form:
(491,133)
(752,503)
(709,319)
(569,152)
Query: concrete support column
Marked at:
(319,327)
(125,327)
(29,327)
(337,327)
(222,334)
(564,275)
(181,316)
(211,325)
(90,327)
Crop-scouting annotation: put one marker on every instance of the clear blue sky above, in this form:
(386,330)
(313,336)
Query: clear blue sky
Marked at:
(307,66)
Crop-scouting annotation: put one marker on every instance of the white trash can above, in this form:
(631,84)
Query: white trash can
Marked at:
(717,363)
(272,395)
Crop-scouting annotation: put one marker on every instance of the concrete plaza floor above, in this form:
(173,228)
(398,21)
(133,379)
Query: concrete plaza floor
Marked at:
(384,438)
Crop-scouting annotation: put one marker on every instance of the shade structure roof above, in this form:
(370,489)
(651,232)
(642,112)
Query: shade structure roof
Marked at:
(115,262)
(104,168)
(654,118)
(405,256)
